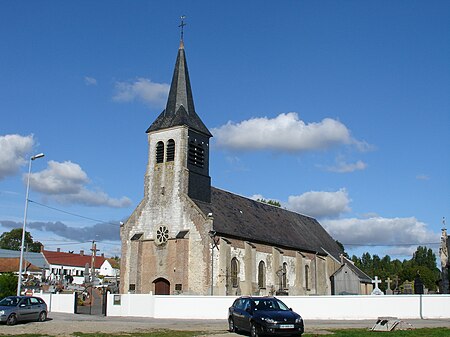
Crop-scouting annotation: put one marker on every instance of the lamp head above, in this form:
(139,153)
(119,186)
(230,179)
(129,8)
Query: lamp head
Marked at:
(37,156)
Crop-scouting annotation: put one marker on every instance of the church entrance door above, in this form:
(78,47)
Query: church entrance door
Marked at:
(162,286)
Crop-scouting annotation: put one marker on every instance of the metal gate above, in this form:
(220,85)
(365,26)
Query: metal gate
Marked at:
(91,301)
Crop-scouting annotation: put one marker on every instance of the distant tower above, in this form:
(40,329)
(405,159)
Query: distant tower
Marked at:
(443,252)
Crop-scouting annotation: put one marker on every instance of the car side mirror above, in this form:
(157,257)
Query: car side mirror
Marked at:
(290,309)
(249,310)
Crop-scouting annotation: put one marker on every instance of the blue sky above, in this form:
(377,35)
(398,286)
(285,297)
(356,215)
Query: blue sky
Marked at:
(339,110)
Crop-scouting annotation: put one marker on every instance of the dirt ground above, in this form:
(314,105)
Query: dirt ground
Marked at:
(59,324)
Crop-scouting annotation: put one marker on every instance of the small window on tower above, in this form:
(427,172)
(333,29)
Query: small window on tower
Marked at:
(159,152)
(170,154)
(196,154)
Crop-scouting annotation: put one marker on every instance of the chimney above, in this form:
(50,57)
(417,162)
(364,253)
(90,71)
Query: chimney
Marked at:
(103,254)
(42,248)
(82,252)
(342,258)
(58,250)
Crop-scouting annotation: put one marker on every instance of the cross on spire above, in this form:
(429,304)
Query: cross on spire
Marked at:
(181,25)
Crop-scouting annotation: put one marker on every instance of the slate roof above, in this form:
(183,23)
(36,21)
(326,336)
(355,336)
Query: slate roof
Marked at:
(247,219)
(71,259)
(180,103)
(363,277)
(37,259)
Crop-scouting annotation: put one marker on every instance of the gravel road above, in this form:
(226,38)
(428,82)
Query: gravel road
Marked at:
(59,324)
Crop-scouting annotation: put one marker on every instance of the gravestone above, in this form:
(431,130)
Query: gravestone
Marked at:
(388,287)
(407,287)
(418,285)
(376,290)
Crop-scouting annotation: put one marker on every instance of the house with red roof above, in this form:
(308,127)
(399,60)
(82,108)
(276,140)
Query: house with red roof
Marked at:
(77,267)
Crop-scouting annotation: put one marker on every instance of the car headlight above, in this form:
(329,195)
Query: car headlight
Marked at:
(2,312)
(298,320)
(269,320)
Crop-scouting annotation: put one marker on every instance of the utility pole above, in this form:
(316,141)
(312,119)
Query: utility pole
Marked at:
(94,253)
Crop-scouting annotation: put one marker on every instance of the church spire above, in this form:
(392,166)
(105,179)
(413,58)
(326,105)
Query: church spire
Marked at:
(180,108)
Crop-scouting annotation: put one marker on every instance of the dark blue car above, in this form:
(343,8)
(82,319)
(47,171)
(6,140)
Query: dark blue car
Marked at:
(264,316)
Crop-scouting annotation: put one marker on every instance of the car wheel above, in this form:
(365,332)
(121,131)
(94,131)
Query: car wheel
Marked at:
(42,316)
(254,330)
(12,319)
(231,326)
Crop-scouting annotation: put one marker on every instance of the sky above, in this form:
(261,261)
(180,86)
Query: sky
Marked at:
(337,109)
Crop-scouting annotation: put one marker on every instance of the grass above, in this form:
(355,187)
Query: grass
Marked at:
(426,332)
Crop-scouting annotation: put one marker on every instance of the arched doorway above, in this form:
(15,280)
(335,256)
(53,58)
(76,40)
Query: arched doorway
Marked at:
(162,286)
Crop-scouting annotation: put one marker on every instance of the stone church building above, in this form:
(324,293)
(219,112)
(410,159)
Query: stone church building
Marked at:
(188,237)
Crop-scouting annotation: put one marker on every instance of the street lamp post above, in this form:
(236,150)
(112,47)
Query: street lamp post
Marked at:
(19,280)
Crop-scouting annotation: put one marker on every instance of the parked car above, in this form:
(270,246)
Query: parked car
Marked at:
(22,308)
(264,316)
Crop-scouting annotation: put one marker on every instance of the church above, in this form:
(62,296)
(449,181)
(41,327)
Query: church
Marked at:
(188,237)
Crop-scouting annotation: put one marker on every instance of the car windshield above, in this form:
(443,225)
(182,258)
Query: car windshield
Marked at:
(270,304)
(10,301)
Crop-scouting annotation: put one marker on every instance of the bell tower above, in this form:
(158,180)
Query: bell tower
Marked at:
(179,141)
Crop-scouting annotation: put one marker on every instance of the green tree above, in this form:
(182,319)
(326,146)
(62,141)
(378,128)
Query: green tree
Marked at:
(270,202)
(343,249)
(424,257)
(8,284)
(13,240)
(423,262)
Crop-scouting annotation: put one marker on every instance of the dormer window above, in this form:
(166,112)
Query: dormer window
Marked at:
(170,152)
(196,154)
(159,152)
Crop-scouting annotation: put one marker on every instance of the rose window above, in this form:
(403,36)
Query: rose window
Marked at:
(162,235)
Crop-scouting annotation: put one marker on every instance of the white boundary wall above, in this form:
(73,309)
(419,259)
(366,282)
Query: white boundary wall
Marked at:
(310,307)
(58,302)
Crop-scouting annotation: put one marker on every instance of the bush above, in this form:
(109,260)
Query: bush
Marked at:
(8,284)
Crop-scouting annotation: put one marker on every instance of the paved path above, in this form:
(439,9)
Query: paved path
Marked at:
(60,324)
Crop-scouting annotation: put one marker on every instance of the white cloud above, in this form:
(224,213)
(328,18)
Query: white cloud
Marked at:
(343,167)
(286,132)
(142,89)
(67,183)
(381,231)
(257,196)
(423,177)
(90,80)
(320,204)
(13,149)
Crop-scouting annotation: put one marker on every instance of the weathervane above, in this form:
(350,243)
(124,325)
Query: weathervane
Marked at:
(181,25)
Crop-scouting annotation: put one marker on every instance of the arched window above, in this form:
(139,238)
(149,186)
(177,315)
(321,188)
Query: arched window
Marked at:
(234,272)
(159,152)
(262,274)
(284,277)
(170,152)
(307,277)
